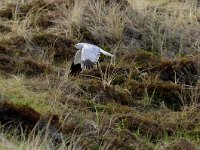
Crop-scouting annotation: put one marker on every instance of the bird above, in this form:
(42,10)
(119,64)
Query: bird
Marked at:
(86,57)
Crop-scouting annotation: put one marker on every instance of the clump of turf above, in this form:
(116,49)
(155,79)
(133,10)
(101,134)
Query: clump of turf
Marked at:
(181,144)
(22,10)
(7,12)
(180,71)
(61,47)
(26,119)
(158,92)
(29,67)
(87,36)
(145,126)
(8,64)
(14,46)
(125,139)
(142,59)
(5,51)
(4,29)
(122,3)
(105,93)
(46,20)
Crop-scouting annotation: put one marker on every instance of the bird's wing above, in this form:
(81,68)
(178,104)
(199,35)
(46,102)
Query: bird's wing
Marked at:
(90,55)
(77,58)
(106,53)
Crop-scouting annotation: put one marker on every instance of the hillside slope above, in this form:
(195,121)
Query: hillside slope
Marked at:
(148,97)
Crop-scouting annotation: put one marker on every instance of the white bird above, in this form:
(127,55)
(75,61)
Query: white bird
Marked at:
(87,55)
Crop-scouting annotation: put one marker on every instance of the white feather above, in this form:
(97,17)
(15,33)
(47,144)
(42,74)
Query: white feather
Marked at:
(88,52)
(77,58)
(106,53)
(91,53)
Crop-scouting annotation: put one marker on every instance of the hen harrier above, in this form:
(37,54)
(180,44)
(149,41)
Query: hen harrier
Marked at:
(86,57)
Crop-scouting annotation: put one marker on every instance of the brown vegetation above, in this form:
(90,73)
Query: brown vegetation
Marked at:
(27,119)
(145,98)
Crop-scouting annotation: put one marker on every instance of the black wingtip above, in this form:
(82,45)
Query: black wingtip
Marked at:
(75,69)
(88,64)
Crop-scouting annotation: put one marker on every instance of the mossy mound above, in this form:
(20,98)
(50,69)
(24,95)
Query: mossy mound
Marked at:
(181,144)
(145,126)
(22,10)
(142,59)
(27,119)
(16,58)
(161,123)
(15,46)
(31,67)
(179,71)
(19,56)
(158,92)
(46,20)
(105,93)
(27,114)
(87,36)
(60,47)
(26,66)
(8,64)
(125,139)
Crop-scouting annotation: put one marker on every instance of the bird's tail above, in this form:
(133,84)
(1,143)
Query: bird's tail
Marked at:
(106,53)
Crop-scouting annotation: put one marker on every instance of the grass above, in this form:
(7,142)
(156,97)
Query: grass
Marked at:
(18,93)
(145,98)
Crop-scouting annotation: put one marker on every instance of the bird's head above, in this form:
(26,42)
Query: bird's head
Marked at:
(79,46)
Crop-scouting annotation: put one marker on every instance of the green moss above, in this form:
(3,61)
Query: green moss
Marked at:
(29,100)
(21,101)
(18,93)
